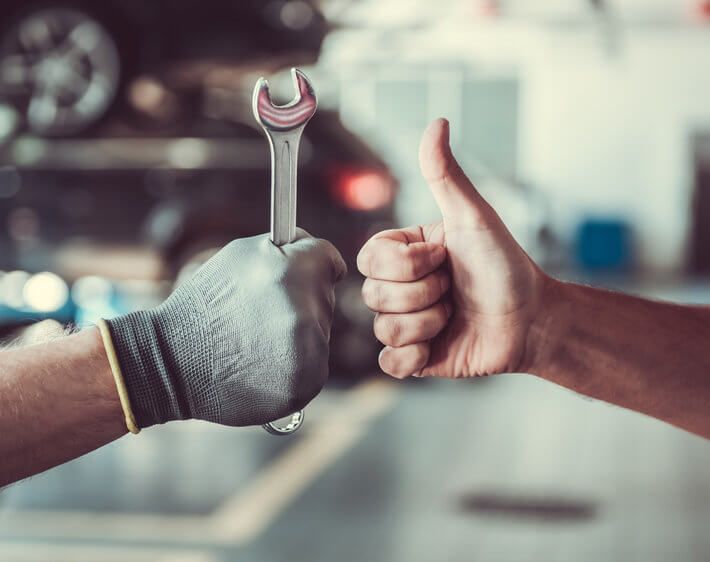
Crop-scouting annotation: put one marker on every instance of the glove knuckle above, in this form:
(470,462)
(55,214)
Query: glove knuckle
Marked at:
(309,368)
(299,395)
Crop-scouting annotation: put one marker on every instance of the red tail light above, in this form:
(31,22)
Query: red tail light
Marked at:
(363,190)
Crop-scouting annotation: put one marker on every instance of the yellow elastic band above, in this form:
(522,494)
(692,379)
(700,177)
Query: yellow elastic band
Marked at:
(118,376)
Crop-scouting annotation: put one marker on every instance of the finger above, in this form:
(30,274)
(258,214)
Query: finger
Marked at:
(302,233)
(403,362)
(390,296)
(457,198)
(397,330)
(326,254)
(394,259)
(338,268)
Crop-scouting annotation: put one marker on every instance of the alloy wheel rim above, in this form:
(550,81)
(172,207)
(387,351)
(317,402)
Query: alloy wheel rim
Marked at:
(62,67)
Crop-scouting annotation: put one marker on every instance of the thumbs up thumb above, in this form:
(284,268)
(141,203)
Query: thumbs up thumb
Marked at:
(456,196)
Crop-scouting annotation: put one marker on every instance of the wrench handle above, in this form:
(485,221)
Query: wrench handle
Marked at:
(284,190)
(284,165)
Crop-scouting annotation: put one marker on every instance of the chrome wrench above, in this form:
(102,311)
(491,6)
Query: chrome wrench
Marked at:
(283,126)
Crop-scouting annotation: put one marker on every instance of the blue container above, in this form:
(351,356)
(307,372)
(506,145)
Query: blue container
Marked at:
(604,245)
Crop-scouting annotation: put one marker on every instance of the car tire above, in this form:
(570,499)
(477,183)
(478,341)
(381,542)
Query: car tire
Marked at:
(61,68)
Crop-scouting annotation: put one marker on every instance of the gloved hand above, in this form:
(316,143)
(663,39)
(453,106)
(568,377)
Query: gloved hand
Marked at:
(243,342)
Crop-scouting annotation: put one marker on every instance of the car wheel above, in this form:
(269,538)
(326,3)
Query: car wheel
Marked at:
(61,68)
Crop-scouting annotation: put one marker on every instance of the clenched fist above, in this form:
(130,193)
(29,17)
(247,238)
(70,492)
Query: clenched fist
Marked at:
(455,298)
(244,342)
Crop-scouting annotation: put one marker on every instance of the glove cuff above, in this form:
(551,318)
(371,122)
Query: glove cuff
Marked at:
(118,377)
(145,363)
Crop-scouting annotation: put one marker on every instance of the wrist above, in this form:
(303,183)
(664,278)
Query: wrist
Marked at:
(117,375)
(86,395)
(100,386)
(548,328)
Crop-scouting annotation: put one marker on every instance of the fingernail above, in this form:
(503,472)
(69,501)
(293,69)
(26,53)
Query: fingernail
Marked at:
(381,356)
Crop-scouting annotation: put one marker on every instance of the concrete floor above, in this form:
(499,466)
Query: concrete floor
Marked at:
(509,468)
(506,468)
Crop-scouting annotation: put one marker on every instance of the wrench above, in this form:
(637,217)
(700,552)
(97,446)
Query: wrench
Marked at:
(283,126)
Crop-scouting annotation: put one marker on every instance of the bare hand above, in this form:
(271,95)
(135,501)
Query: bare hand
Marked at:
(455,298)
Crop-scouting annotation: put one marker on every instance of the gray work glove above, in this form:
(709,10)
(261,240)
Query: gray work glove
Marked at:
(244,342)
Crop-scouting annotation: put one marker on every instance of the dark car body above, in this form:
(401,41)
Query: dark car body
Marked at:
(178,197)
(152,33)
(82,56)
(174,193)
(126,201)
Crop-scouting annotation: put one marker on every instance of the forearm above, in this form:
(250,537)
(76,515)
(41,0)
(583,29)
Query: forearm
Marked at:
(58,401)
(652,357)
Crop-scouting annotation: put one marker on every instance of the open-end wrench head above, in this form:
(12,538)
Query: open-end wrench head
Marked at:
(294,114)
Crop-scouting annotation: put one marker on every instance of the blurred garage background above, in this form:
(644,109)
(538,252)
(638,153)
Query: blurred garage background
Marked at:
(128,154)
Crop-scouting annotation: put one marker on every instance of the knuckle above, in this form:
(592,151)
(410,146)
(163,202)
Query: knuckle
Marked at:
(365,292)
(442,317)
(418,325)
(372,294)
(442,281)
(362,260)
(388,329)
(299,397)
(429,290)
(306,378)
(386,363)
(420,356)
(366,259)
(418,267)
(404,362)
(410,262)
(389,362)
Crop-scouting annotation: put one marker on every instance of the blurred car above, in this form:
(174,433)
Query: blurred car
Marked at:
(154,208)
(122,172)
(65,63)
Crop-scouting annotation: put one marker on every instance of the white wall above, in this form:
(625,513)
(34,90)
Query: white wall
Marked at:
(610,135)
(603,128)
